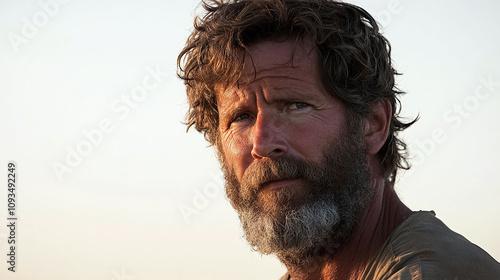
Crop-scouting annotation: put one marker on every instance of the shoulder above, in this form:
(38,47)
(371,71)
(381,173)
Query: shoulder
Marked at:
(423,247)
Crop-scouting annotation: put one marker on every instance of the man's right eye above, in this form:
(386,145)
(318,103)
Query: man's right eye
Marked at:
(241,117)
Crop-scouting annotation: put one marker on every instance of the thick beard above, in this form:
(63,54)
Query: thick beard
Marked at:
(303,230)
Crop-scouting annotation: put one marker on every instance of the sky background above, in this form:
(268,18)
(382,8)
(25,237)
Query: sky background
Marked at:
(111,187)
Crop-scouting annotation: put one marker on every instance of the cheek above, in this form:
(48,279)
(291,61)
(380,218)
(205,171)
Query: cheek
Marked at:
(237,152)
(310,138)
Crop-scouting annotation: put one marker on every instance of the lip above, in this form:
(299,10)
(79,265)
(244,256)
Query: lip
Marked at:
(278,184)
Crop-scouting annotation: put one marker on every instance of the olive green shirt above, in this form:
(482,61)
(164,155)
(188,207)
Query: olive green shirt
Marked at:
(423,247)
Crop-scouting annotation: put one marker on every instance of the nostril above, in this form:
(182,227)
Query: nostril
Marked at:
(272,146)
(276,152)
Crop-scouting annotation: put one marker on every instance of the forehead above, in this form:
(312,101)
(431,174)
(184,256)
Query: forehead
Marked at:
(298,54)
(291,59)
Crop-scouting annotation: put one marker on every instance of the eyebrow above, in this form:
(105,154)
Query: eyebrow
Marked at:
(232,112)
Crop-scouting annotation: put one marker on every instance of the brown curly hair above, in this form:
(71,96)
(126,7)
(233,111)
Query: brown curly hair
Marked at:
(355,59)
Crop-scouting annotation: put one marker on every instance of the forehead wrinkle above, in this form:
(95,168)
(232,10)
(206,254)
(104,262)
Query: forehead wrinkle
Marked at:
(290,58)
(275,77)
(269,74)
(271,91)
(255,72)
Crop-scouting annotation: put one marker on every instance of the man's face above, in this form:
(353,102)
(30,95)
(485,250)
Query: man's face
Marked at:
(295,174)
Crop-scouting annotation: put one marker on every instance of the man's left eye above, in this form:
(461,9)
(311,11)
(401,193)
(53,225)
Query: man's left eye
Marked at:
(298,105)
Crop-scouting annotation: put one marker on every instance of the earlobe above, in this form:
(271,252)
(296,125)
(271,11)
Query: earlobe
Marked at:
(377,126)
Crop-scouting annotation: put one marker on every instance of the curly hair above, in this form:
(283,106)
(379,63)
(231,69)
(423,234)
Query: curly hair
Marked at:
(354,59)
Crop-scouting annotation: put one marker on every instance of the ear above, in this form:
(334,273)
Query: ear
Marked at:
(377,126)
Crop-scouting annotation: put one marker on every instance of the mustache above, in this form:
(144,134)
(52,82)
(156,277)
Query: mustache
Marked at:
(268,170)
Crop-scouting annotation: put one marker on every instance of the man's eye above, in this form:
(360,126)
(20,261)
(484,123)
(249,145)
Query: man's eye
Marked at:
(241,117)
(298,105)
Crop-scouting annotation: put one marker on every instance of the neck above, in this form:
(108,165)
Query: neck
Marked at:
(383,214)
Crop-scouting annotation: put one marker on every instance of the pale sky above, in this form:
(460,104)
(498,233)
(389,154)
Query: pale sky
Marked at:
(111,187)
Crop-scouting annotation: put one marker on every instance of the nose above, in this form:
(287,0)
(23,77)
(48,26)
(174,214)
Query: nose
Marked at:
(268,136)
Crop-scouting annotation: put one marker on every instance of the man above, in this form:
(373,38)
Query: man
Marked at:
(298,98)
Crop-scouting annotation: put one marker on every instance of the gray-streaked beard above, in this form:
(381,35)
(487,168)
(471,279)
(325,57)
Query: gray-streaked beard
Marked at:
(303,230)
